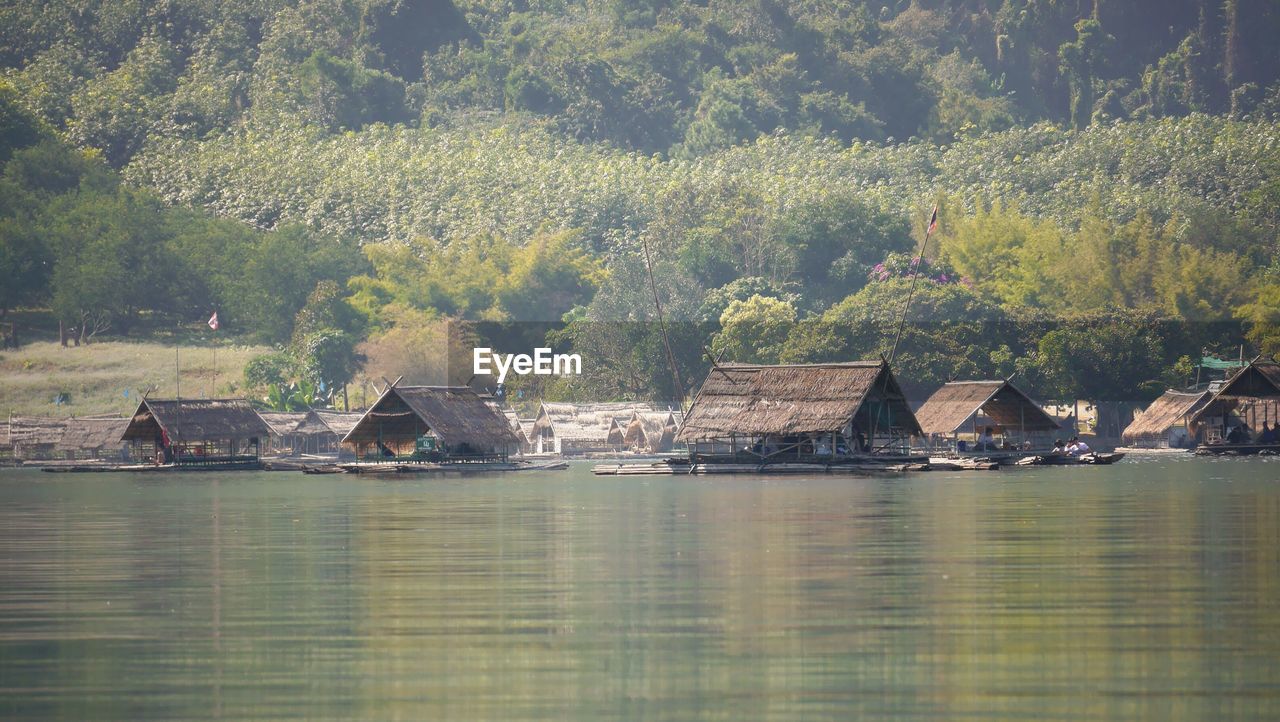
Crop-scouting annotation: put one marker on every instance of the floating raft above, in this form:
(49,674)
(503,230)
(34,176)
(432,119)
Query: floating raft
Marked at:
(674,467)
(1237,450)
(461,468)
(137,468)
(962,464)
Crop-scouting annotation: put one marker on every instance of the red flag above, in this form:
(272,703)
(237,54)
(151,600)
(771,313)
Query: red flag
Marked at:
(213,321)
(933,221)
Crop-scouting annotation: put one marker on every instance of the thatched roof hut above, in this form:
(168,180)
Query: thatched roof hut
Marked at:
(283,423)
(651,432)
(198,431)
(1252,395)
(92,436)
(458,420)
(958,405)
(328,422)
(29,433)
(522,428)
(1153,427)
(566,427)
(195,420)
(744,401)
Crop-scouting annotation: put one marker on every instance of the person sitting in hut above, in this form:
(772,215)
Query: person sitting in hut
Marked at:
(1237,435)
(1077,447)
(987,441)
(1267,435)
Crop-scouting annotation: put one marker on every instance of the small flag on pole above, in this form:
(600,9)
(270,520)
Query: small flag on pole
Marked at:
(213,320)
(933,221)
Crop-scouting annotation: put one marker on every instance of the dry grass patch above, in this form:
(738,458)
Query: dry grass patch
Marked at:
(108,377)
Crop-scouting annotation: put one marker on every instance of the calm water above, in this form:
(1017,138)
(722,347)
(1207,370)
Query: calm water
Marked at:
(1142,590)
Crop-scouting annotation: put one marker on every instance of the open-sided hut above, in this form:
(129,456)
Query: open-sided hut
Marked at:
(805,412)
(1251,396)
(651,432)
(564,428)
(35,437)
(1166,423)
(284,437)
(197,432)
(322,430)
(522,428)
(432,423)
(93,438)
(967,408)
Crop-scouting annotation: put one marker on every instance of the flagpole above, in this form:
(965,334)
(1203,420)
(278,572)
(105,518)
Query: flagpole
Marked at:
(933,223)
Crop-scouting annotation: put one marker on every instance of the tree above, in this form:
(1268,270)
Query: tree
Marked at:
(1080,60)
(115,111)
(950,332)
(1108,358)
(1262,316)
(754,330)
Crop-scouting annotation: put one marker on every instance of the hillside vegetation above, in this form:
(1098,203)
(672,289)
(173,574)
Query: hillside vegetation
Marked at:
(372,186)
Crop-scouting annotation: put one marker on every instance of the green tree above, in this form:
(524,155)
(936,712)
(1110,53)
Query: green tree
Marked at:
(1080,61)
(754,330)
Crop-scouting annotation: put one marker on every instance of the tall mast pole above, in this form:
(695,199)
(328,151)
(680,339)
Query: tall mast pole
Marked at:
(928,231)
(662,323)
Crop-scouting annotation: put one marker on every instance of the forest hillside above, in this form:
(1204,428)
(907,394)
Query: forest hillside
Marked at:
(372,186)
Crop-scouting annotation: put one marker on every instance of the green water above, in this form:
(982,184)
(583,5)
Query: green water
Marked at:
(1137,591)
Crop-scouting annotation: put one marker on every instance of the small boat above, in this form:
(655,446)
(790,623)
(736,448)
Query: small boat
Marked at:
(1092,458)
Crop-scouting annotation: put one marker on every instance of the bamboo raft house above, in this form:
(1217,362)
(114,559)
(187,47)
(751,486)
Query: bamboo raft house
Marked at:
(94,438)
(652,432)
(522,428)
(35,437)
(322,431)
(1252,397)
(439,424)
(209,433)
(1166,423)
(820,414)
(966,408)
(284,437)
(565,428)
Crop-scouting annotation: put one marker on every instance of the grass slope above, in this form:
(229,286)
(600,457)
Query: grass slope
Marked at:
(98,376)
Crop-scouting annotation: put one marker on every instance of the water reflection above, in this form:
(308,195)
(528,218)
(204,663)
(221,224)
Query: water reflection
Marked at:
(1133,591)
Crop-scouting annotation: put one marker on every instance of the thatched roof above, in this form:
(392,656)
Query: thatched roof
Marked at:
(455,414)
(322,422)
(36,430)
(92,434)
(584,422)
(792,399)
(1258,380)
(522,428)
(951,407)
(650,429)
(189,420)
(1171,409)
(283,423)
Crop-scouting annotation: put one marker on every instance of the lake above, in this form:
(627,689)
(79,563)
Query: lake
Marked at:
(1143,590)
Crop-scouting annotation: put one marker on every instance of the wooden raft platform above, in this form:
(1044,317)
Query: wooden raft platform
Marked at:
(684,468)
